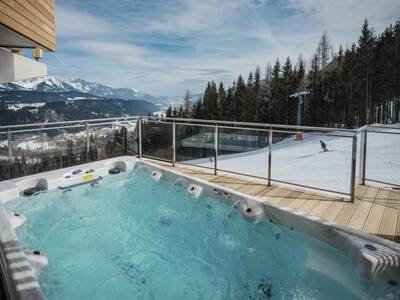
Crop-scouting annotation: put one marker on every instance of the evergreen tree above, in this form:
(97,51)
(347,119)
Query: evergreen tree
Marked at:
(186,106)
(365,47)
(222,103)
(324,49)
(169,112)
(341,93)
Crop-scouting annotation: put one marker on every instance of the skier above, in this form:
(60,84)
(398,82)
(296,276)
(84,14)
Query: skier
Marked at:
(323,146)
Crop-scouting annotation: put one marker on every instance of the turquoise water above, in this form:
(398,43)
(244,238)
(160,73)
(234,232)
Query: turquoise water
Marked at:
(132,238)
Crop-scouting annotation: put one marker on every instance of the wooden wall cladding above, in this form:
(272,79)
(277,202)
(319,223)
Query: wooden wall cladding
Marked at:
(34,19)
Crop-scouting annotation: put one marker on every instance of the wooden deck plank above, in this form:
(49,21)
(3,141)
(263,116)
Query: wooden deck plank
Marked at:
(253,188)
(370,194)
(289,198)
(320,208)
(346,213)
(271,192)
(374,219)
(389,223)
(360,190)
(297,203)
(275,195)
(333,210)
(308,206)
(225,181)
(375,216)
(375,210)
(394,199)
(359,216)
(397,237)
(382,195)
(348,209)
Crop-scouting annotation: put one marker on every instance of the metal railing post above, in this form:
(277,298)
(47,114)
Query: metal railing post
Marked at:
(173,143)
(87,142)
(216,142)
(363,164)
(353,169)
(125,140)
(9,152)
(269,156)
(140,137)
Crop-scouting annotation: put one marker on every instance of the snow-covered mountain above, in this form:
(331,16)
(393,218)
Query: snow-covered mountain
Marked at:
(57,84)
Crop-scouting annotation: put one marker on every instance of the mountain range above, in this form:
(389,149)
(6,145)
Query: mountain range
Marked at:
(51,98)
(53,84)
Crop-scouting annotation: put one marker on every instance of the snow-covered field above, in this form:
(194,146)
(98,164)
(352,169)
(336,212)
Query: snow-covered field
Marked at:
(383,157)
(303,162)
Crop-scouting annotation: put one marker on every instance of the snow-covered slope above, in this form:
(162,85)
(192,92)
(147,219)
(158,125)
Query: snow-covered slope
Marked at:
(303,162)
(39,84)
(58,84)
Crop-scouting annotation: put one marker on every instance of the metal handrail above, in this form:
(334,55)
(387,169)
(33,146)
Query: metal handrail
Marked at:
(265,125)
(327,133)
(269,129)
(68,122)
(383,127)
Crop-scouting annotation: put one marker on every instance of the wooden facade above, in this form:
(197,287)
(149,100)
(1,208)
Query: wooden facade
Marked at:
(34,20)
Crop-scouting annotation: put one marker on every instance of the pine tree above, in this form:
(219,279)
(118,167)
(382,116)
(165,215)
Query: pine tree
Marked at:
(288,80)
(275,108)
(169,112)
(210,101)
(174,112)
(324,49)
(240,97)
(365,46)
(222,103)
(186,106)
(340,85)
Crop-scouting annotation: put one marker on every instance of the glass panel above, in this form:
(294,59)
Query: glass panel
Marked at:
(4,165)
(383,157)
(39,151)
(106,141)
(243,151)
(132,138)
(157,139)
(303,161)
(195,145)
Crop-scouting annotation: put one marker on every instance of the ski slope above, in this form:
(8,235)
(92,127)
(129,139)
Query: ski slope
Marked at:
(303,162)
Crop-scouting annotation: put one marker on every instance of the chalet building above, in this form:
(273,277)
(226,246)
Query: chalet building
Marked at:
(25,24)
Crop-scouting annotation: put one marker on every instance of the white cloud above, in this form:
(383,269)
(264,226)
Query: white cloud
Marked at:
(344,14)
(126,54)
(194,16)
(74,23)
(166,47)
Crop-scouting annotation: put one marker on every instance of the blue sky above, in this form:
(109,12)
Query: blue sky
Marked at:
(165,47)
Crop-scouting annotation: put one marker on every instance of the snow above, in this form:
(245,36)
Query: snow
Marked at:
(32,84)
(77,98)
(303,162)
(383,156)
(4,144)
(57,84)
(18,106)
(35,145)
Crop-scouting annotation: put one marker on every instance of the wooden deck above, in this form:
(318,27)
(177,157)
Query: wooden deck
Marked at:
(375,210)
